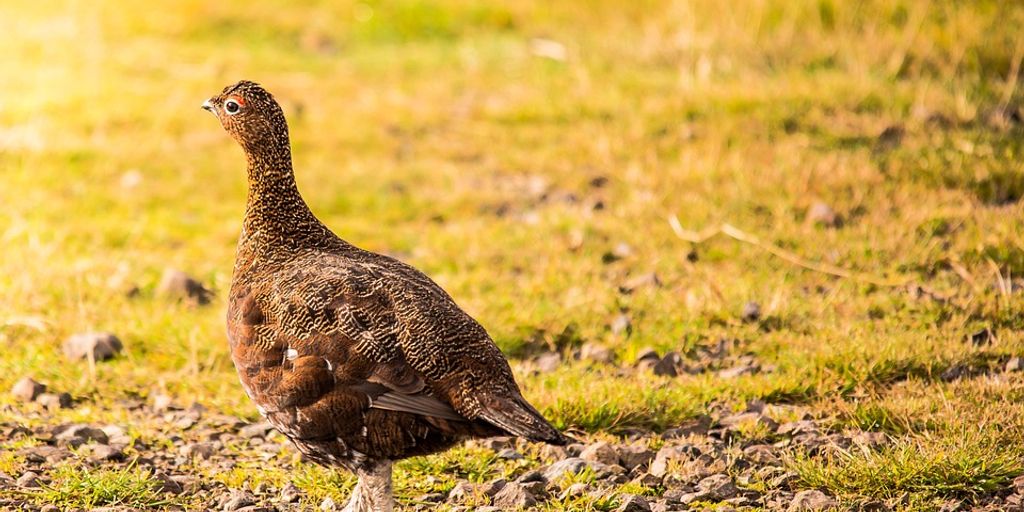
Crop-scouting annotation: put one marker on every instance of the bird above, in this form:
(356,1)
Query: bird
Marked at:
(359,359)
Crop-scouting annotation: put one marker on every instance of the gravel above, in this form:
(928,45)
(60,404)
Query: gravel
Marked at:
(98,345)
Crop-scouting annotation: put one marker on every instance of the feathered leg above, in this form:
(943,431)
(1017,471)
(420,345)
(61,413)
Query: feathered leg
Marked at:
(373,491)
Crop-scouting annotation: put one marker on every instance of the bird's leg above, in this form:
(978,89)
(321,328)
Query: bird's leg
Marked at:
(373,492)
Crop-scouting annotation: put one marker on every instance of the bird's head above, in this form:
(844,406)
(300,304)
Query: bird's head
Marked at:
(251,116)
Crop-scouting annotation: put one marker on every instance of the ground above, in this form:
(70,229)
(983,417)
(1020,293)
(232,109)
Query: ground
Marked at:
(564,170)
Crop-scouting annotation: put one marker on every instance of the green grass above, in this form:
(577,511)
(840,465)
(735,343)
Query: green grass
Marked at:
(88,488)
(437,132)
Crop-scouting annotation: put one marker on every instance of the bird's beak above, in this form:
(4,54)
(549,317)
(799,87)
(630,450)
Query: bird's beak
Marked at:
(207,106)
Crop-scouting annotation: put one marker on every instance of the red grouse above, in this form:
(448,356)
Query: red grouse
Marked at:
(356,357)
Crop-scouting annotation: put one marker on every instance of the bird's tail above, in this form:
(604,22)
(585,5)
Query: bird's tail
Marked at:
(517,417)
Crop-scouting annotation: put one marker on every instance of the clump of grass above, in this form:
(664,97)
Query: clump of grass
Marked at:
(955,467)
(81,487)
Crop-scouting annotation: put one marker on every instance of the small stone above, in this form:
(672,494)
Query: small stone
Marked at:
(640,281)
(465,493)
(1015,364)
(203,450)
(596,353)
(238,499)
(647,354)
(513,496)
(255,430)
(551,452)
(556,471)
(1018,484)
(327,505)
(105,452)
(634,456)
(509,454)
(812,500)
(491,488)
(290,493)
(28,479)
(77,435)
(620,324)
(176,284)
(717,487)
(574,491)
(735,421)
(751,312)
(822,214)
(602,452)
(433,497)
(27,389)
(633,503)
(50,508)
(54,401)
(870,439)
(649,480)
(98,345)
(761,454)
(983,337)
(665,457)
(162,402)
(548,362)
(668,366)
(167,484)
(736,371)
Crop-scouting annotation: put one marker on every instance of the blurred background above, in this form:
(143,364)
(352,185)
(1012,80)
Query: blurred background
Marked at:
(551,165)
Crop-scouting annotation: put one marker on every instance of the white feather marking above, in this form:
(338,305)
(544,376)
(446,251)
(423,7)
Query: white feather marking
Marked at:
(330,367)
(291,354)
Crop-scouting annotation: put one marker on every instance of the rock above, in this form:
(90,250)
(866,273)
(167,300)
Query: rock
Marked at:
(433,497)
(166,484)
(982,337)
(793,428)
(203,450)
(1018,484)
(596,353)
(98,345)
(633,503)
(649,480)
(548,362)
(640,281)
(552,452)
(735,421)
(717,488)
(509,454)
(495,444)
(50,508)
(162,402)
(27,389)
(751,312)
(812,500)
(761,454)
(513,496)
(238,499)
(574,491)
(255,430)
(571,465)
(1015,364)
(669,365)
(620,324)
(28,479)
(77,435)
(736,371)
(176,284)
(103,452)
(54,401)
(633,456)
(821,214)
(290,493)
(600,452)
(466,493)
(647,354)
(327,505)
(665,457)
(870,439)
(491,488)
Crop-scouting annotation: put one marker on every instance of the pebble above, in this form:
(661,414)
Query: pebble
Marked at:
(822,214)
(634,456)
(101,346)
(77,435)
(633,503)
(176,284)
(751,312)
(717,487)
(28,479)
(668,365)
(103,452)
(548,362)
(596,353)
(513,496)
(600,451)
(812,500)
(1015,364)
(465,493)
(666,456)
(237,500)
(54,401)
(571,465)
(27,389)
(620,324)
(290,493)
(166,484)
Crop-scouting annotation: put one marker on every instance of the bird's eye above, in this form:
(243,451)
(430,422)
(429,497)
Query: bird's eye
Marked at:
(232,107)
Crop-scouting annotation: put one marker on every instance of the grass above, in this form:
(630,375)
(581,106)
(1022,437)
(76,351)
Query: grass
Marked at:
(444,133)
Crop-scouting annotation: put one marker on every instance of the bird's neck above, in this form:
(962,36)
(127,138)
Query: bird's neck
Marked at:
(276,216)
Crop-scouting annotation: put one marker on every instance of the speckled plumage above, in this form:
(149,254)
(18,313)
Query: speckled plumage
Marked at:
(356,357)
